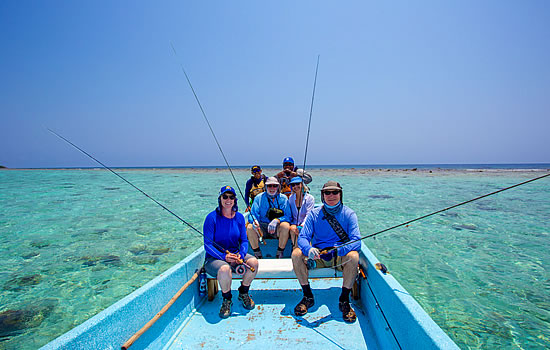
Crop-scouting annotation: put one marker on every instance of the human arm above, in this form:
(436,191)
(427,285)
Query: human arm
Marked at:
(208,229)
(307,208)
(305,236)
(306,177)
(354,234)
(243,248)
(247,192)
(255,209)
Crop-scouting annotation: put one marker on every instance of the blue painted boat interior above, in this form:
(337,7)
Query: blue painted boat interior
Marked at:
(387,316)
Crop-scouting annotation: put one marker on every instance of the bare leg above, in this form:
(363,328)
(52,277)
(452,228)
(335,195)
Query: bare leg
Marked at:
(252,236)
(249,275)
(300,267)
(351,260)
(282,230)
(224,278)
(293,234)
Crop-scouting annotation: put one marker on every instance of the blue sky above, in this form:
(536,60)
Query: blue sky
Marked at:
(399,82)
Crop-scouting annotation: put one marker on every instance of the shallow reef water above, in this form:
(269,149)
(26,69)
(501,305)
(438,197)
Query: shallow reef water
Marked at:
(73,242)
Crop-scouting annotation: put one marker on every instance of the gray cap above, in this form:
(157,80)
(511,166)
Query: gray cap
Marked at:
(272,180)
(332,185)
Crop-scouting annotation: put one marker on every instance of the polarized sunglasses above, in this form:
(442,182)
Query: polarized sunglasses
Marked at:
(256,170)
(333,193)
(228,196)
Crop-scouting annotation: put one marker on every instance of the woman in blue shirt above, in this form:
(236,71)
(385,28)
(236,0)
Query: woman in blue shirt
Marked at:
(301,203)
(226,244)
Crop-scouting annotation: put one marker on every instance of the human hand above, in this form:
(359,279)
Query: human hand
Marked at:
(272,227)
(232,258)
(256,225)
(313,253)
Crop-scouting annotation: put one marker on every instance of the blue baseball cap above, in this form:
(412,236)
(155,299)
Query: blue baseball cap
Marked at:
(296,180)
(288,160)
(227,188)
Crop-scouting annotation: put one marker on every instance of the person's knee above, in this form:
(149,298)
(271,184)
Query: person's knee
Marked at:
(224,271)
(297,255)
(253,262)
(284,226)
(352,257)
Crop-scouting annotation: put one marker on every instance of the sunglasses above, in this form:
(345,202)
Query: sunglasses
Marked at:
(333,193)
(295,184)
(230,196)
(256,171)
(271,186)
(288,164)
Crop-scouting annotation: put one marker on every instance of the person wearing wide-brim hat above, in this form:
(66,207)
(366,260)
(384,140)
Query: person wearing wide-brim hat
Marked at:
(301,203)
(226,246)
(269,214)
(326,227)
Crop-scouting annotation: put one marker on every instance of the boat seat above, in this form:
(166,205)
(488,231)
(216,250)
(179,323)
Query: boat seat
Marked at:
(274,269)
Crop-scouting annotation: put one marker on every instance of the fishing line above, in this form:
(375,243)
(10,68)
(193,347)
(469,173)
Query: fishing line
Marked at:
(214,135)
(146,195)
(311,111)
(308,130)
(439,211)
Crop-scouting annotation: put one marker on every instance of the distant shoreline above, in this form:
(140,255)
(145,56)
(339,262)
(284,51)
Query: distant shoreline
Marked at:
(376,168)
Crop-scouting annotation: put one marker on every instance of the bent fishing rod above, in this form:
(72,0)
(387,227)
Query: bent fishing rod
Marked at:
(435,212)
(308,129)
(259,230)
(240,261)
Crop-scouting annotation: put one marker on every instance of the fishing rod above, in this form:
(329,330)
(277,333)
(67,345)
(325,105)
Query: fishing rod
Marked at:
(258,230)
(435,212)
(308,130)
(240,261)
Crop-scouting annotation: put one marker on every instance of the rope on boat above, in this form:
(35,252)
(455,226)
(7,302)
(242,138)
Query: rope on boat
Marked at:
(439,211)
(261,236)
(152,321)
(151,198)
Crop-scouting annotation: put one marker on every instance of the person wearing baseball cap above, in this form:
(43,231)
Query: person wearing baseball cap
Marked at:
(226,227)
(290,171)
(255,185)
(269,213)
(328,226)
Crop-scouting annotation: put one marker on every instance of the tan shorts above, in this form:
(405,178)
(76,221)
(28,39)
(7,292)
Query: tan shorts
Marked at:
(331,263)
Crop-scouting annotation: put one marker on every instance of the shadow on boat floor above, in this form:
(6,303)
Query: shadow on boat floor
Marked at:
(273,323)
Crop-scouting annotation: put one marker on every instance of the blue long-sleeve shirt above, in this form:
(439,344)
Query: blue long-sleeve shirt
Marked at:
(261,205)
(229,234)
(318,231)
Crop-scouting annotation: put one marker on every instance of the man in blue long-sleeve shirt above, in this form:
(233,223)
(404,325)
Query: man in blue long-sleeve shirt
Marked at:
(325,227)
(270,214)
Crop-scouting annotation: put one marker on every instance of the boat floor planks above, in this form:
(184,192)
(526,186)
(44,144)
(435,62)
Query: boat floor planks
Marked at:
(273,323)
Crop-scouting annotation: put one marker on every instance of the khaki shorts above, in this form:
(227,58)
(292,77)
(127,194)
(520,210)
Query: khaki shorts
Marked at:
(337,261)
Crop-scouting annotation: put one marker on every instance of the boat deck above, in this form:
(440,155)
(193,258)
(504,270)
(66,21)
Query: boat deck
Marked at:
(273,323)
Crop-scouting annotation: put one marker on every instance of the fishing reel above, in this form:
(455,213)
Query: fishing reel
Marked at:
(311,264)
(240,269)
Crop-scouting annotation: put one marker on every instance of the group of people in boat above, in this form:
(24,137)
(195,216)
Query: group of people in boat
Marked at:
(282,208)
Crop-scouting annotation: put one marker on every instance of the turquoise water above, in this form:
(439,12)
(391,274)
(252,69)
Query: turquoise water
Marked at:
(72,242)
